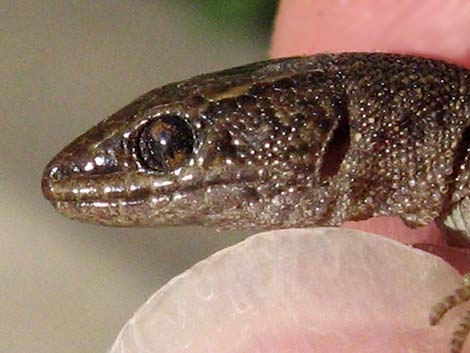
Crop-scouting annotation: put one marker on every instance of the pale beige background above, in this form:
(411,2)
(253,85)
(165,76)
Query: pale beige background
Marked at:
(64,65)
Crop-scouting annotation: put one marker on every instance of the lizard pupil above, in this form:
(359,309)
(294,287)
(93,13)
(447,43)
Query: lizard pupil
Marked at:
(166,143)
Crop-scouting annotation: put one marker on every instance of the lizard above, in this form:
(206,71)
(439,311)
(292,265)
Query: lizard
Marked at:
(293,142)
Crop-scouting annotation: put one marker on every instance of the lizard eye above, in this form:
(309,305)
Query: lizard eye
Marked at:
(166,143)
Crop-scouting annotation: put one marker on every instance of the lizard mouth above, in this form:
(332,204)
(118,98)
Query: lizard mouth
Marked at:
(104,188)
(129,200)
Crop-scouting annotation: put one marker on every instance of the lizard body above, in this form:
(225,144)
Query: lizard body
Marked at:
(295,142)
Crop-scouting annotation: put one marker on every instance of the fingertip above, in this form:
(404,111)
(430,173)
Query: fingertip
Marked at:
(431,28)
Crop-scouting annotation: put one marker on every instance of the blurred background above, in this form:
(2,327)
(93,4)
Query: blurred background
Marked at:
(64,66)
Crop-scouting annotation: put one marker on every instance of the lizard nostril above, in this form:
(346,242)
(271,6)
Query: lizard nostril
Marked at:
(53,174)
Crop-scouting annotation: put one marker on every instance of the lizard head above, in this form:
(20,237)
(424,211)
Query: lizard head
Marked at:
(226,149)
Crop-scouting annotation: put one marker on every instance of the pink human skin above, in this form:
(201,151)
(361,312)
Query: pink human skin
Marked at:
(300,291)
(433,28)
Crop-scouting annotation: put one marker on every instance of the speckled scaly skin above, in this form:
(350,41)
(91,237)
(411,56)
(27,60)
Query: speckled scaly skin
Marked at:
(305,141)
(295,142)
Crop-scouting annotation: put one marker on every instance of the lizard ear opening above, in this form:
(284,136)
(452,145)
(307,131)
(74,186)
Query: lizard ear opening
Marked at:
(337,146)
(165,143)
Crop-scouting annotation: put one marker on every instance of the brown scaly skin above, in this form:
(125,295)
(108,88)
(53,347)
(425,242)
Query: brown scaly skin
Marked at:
(296,142)
(305,141)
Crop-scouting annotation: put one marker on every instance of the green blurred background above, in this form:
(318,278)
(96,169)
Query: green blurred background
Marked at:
(255,16)
(64,66)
